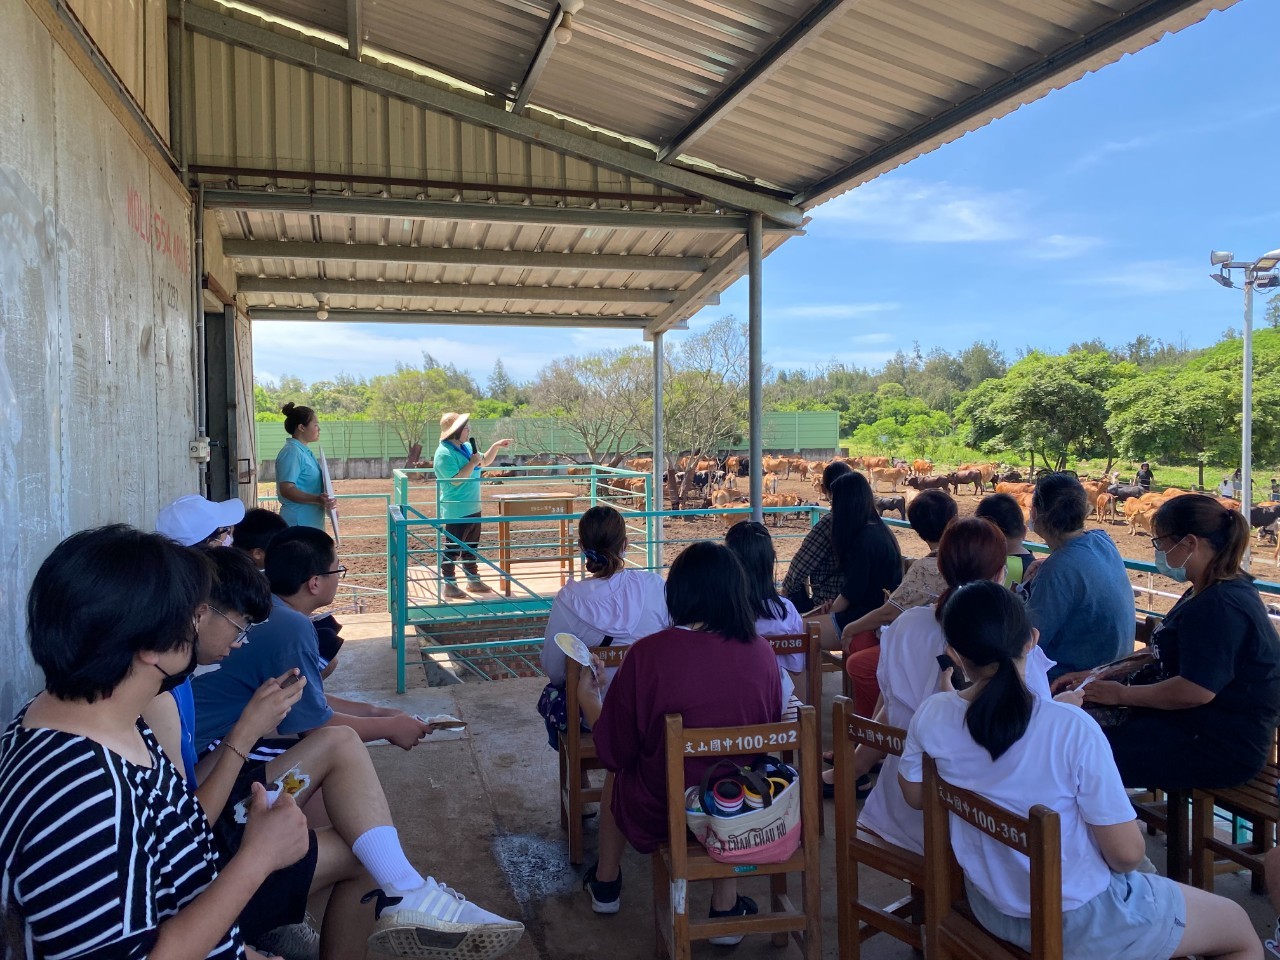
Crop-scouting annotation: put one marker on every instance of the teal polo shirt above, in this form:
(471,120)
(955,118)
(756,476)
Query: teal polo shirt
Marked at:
(461,497)
(296,464)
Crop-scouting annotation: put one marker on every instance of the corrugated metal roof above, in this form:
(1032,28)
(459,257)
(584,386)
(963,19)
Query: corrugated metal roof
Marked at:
(810,96)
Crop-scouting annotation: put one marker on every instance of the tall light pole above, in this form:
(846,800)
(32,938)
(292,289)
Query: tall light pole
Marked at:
(1259,273)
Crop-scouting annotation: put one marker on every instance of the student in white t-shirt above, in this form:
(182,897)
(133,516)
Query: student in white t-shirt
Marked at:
(908,673)
(1016,749)
(615,602)
(775,615)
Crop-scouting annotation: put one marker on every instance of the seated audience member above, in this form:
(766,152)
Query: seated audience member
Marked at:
(1002,510)
(713,668)
(1206,715)
(971,550)
(1272,861)
(775,616)
(1016,749)
(103,851)
(614,604)
(252,534)
(929,515)
(813,576)
(303,571)
(868,554)
(192,520)
(1079,597)
(359,851)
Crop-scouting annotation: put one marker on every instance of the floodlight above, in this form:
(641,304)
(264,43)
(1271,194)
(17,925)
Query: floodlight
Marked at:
(1219,257)
(1222,279)
(1268,261)
(1265,283)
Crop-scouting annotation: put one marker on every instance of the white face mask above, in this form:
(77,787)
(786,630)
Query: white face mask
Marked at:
(226,540)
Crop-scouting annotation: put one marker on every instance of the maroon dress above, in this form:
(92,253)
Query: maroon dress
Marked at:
(711,681)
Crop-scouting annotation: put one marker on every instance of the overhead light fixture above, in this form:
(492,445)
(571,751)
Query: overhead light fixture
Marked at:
(1268,261)
(1222,279)
(322,312)
(563,32)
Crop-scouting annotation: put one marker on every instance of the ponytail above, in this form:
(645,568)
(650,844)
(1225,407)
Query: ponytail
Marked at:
(1227,531)
(998,716)
(986,624)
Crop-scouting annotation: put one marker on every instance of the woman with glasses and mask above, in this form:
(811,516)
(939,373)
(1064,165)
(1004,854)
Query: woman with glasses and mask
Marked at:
(1209,718)
(111,618)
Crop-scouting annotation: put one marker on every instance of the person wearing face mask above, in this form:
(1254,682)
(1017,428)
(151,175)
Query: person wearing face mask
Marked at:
(105,852)
(193,520)
(1209,720)
(1079,598)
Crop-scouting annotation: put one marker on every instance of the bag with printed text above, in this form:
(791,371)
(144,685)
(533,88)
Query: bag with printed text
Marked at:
(746,814)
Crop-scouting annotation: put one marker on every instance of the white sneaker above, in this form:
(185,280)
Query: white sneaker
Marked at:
(438,923)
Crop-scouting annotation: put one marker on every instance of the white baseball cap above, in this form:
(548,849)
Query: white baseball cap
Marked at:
(192,519)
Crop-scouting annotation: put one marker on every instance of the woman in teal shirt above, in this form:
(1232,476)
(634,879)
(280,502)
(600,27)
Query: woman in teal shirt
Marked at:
(299,486)
(457,468)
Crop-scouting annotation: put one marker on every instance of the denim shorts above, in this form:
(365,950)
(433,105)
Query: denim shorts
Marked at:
(1140,916)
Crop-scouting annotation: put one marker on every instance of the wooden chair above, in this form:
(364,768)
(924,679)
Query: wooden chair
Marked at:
(578,754)
(683,860)
(1253,802)
(951,930)
(810,687)
(858,919)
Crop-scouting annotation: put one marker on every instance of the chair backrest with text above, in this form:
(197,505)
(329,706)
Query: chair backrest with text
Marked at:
(950,929)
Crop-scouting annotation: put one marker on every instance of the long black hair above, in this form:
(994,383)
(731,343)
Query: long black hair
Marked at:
(986,624)
(853,508)
(752,545)
(706,584)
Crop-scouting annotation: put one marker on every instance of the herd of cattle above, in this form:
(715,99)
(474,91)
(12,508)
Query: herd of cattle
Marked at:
(716,481)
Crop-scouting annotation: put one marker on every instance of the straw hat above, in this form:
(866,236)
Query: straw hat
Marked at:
(451,423)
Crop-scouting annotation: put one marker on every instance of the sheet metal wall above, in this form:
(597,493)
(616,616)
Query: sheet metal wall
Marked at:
(96,388)
(132,35)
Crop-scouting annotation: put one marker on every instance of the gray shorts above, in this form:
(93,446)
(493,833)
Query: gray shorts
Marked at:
(1140,916)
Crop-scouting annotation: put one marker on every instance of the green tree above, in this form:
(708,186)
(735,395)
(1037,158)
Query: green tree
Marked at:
(413,397)
(501,386)
(1272,315)
(600,398)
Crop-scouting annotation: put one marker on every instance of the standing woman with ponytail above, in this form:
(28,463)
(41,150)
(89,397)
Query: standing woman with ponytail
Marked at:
(1018,750)
(1210,719)
(299,486)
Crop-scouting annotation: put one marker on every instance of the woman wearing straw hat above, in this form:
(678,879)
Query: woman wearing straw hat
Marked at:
(457,466)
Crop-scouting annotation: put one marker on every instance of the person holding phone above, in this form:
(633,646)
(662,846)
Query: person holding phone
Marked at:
(361,849)
(457,466)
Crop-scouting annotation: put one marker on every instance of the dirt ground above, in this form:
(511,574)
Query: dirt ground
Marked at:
(363,526)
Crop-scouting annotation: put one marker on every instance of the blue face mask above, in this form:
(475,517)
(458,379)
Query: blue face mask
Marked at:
(1176,574)
(1031,526)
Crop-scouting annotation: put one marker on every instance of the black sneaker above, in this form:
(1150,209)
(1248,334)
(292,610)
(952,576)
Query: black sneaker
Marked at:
(605,897)
(862,789)
(745,907)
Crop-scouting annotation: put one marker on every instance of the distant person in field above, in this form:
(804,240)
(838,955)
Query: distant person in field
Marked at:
(299,484)
(457,466)
(1145,476)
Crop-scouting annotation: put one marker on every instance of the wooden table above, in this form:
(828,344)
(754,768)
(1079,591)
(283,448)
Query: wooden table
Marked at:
(544,503)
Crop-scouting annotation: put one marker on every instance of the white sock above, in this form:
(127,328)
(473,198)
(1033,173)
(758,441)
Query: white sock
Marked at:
(379,852)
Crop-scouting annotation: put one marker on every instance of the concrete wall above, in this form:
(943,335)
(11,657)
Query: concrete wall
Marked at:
(96,384)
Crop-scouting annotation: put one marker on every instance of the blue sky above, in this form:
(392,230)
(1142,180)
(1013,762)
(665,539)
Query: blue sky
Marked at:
(1089,213)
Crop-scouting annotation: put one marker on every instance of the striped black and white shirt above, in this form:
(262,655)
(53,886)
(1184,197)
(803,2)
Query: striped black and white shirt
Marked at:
(95,852)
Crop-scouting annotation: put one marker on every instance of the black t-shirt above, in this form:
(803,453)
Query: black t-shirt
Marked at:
(1144,479)
(1222,640)
(872,564)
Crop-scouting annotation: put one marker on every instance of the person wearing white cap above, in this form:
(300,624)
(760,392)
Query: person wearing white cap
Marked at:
(457,467)
(193,520)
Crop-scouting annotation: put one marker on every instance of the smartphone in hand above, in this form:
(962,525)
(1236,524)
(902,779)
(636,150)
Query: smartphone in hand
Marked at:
(290,680)
(958,679)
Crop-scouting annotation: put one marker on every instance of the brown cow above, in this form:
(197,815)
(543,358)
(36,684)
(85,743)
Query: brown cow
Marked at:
(777,465)
(800,468)
(1103,505)
(1142,521)
(921,468)
(1014,489)
(874,463)
(960,477)
(641,464)
(893,476)
(929,483)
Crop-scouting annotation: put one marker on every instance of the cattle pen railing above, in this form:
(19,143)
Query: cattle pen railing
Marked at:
(500,635)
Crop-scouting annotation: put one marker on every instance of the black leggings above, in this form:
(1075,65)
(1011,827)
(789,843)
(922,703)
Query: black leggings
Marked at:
(468,532)
(1151,750)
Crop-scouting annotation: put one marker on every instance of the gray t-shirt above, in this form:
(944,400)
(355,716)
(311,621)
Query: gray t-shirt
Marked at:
(1082,603)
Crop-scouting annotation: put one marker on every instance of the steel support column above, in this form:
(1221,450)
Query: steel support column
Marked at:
(1246,419)
(657,548)
(755,362)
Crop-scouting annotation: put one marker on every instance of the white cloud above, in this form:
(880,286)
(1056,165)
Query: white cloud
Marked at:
(1145,278)
(791,359)
(1062,246)
(1111,148)
(832,311)
(909,211)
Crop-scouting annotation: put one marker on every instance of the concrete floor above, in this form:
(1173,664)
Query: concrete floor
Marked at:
(479,810)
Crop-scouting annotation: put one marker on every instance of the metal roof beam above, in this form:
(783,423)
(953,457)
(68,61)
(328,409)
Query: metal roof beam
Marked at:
(355,28)
(1146,18)
(804,32)
(279,202)
(308,55)
(539,62)
(450,291)
(453,319)
(462,257)
(703,292)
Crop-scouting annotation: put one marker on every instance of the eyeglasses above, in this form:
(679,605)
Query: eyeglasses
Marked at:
(242,633)
(1155,541)
(339,573)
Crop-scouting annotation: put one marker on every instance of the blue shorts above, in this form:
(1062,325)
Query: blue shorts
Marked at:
(1140,916)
